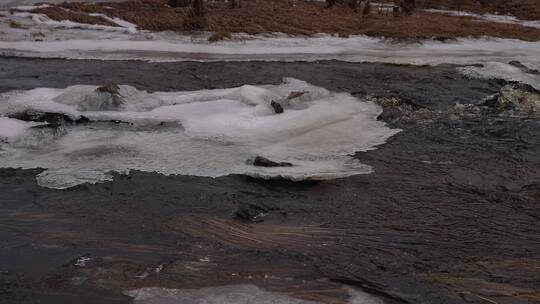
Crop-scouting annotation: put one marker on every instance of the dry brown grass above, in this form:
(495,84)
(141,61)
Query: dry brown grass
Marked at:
(302,18)
(58,14)
(16,25)
(152,15)
(219,36)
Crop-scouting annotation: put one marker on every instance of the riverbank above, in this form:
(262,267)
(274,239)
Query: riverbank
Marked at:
(300,18)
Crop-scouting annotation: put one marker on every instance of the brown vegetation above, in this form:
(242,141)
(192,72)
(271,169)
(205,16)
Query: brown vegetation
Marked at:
(16,25)
(298,18)
(59,14)
(219,36)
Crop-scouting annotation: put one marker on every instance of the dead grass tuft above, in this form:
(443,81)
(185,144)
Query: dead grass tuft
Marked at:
(218,36)
(16,25)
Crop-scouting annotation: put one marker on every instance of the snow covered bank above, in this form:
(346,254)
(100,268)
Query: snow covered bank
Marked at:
(76,41)
(203,133)
(171,47)
(489,17)
(39,36)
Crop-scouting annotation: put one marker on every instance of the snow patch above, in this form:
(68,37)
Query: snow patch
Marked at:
(30,7)
(132,28)
(233,294)
(42,19)
(489,17)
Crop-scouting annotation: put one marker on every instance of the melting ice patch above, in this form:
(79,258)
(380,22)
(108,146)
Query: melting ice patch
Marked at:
(204,133)
(234,294)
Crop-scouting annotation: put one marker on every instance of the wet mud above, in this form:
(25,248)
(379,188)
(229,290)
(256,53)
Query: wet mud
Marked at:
(450,214)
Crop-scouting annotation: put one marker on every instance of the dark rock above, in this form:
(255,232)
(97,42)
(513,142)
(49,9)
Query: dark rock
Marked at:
(523,67)
(54,119)
(260,161)
(250,213)
(397,109)
(389,114)
(515,96)
(490,100)
(278,109)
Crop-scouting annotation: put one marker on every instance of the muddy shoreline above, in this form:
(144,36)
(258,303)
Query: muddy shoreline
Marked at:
(450,214)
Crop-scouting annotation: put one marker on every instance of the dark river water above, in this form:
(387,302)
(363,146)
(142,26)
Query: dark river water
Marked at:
(450,214)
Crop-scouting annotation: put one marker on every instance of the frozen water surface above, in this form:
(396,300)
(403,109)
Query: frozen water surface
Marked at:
(234,294)
(203,133)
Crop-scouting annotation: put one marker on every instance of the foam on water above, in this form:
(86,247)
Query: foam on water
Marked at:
(233,294)
(203,133)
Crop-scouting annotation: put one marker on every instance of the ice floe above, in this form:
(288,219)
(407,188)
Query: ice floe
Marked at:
(233,294)
(204,133)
